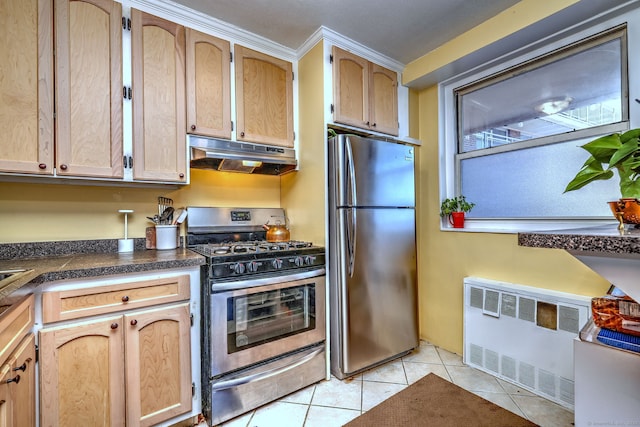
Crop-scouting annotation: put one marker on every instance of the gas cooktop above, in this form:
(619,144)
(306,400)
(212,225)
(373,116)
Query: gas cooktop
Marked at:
(251,247)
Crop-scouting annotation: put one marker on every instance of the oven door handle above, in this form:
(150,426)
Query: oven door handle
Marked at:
(252,282)
(235,382)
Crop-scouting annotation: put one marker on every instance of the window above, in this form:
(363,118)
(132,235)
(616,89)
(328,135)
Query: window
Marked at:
(511,131)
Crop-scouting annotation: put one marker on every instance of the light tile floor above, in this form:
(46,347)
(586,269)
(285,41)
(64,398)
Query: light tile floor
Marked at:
(334,403)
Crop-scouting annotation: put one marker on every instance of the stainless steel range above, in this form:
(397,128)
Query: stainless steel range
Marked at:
(263,310)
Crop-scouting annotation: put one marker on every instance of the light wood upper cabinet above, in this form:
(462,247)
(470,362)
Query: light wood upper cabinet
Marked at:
(383,99)
(365,94)
(82,374)
(208,85)
(264,98)
(26,86)
(158,365)
(89,88)
(159,122)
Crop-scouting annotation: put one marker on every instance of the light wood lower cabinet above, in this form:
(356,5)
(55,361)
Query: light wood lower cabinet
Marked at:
(158,364)
(18,386)
(17,365)
(82,374)
(133,369)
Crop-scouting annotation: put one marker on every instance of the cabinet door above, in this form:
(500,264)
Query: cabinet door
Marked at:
(23,392)
(383,99)
(264,98)
(159,134)
(6,410)
(26,86)
(89,88)
(82,374)
(158,364)
(208,85)
(350,89)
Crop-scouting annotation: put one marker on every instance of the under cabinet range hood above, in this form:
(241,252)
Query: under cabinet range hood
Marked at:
(245,157)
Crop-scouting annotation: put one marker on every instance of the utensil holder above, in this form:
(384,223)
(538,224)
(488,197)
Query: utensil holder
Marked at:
(166,237)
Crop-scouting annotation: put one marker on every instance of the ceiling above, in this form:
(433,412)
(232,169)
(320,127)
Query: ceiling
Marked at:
(403,30)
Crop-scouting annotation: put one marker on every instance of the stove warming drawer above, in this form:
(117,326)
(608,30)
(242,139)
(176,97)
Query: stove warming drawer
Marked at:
(242,391)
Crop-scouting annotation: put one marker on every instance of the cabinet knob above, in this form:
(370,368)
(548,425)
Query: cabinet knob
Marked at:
(242,134)
(125,298)
(193,127)
(181,175)
(134,322)
(63,167)
(114,326)
(42,166)
(22,367)
(373,125)
(16,379)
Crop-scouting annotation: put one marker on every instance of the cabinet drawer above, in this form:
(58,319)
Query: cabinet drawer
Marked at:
(76,303)
(15,323)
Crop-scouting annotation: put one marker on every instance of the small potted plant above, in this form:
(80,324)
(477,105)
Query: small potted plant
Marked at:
(454,209)
(619,151)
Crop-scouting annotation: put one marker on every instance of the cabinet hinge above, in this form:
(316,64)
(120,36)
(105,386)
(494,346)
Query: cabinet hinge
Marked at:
(294,136)
(330,58)
(193,389)
(191,318)
(126,23)
(232,125)
(37,354)
(332,108)
(293,76)
(230,56)
(126,92)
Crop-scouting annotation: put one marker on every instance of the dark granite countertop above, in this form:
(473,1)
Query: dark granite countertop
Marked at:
(91,263)
(603,239)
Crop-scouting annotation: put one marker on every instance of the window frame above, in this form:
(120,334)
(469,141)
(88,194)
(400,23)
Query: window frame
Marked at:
(449,163)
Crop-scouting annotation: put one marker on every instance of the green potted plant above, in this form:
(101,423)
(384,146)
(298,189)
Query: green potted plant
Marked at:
(454,209)
(619,151)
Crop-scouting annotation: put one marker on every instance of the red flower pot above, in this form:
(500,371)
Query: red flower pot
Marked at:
(456,219)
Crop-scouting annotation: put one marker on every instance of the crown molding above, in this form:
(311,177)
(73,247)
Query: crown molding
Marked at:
(183,15)
(336,39)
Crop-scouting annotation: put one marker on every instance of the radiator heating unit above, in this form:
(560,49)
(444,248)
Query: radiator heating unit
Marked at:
(524,335)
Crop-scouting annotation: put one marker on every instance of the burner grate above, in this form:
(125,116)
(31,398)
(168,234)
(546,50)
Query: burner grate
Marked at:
(252,247)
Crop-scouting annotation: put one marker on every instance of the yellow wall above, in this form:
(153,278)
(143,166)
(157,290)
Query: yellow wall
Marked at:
(517,17)
(48,212)
(303,191)
(446,257)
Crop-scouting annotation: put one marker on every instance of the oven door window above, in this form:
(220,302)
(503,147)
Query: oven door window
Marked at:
(263,317)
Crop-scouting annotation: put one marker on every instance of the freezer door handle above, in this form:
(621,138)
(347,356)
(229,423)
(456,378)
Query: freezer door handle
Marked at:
(258,376)
(351,171)
(353,201)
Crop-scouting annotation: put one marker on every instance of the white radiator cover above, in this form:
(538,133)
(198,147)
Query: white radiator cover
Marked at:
(503,336)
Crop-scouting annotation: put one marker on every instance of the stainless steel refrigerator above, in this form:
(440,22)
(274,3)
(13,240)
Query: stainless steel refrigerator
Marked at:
(372,252)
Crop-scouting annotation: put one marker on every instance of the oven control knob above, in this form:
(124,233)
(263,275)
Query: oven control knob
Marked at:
(237,268)
(308,260)
(298,261)
(252,266)
(276,263)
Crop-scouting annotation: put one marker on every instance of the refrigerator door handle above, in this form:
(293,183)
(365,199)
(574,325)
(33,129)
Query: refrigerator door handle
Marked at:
(351,225)
(351,170)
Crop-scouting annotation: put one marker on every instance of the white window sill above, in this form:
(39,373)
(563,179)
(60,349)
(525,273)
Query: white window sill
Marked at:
(514,226)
